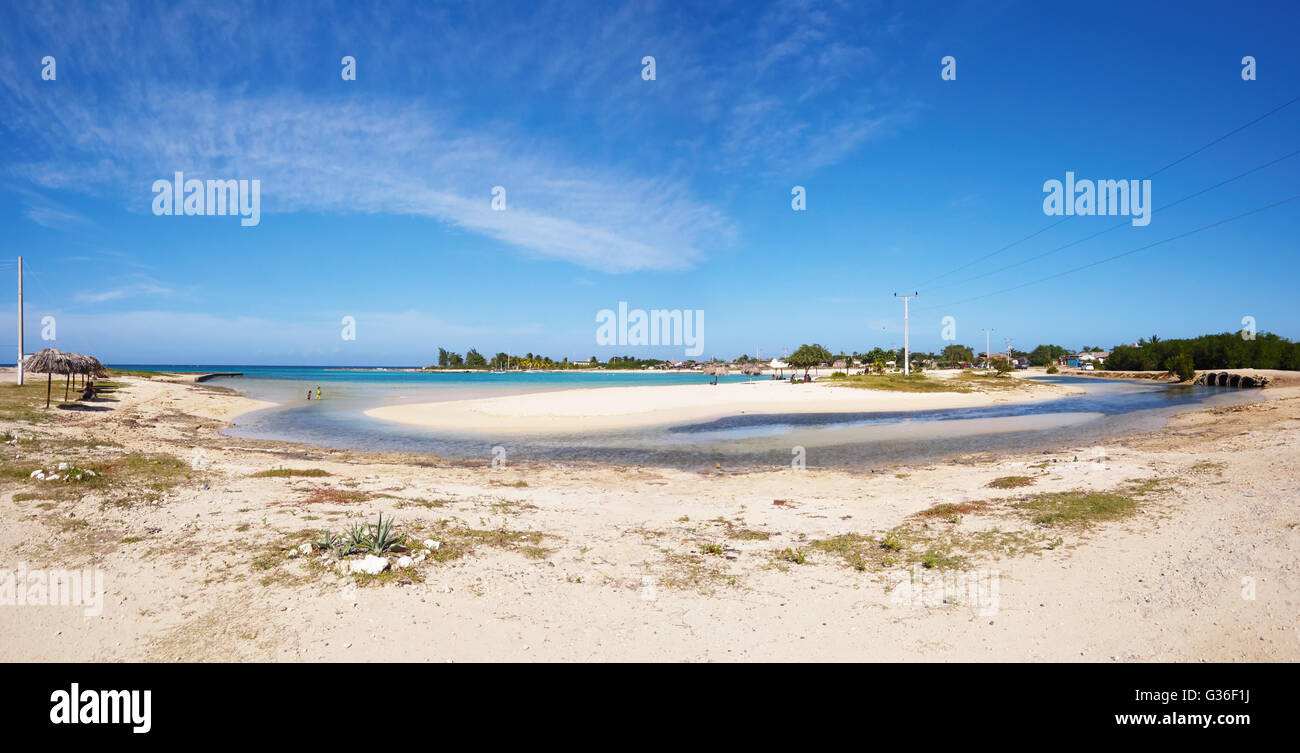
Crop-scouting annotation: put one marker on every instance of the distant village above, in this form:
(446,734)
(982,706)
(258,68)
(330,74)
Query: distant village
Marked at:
(811,358)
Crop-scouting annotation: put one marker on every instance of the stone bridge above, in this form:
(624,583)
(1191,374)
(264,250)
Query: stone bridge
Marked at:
(1232,378)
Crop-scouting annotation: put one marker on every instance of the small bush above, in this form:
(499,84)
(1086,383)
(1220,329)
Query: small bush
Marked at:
(1183,366)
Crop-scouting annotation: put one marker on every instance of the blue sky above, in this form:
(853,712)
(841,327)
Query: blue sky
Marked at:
(672,193)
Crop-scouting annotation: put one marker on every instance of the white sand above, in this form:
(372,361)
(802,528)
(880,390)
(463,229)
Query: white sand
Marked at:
(626,407)
(625,575)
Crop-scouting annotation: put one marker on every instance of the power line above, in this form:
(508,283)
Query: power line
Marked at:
(1183,158)
(1126,253)
(1123,223)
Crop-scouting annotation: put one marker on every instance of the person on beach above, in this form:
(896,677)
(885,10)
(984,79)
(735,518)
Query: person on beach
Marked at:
(318,392)
(309,393)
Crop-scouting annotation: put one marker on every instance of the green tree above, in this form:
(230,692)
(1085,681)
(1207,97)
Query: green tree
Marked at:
(808,356)
(1045,354)
(444,358)
(958,354)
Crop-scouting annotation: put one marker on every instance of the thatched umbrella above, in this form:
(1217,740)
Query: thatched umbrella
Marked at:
(751,369)
(80,366)
(717,370)
(97,369)
(49,361)
(89,366)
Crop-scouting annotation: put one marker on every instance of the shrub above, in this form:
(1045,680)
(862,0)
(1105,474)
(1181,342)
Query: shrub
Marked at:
(1051,369)
(1183,366)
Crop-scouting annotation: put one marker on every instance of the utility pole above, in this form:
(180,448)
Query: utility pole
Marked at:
(20,321)
(907,365)
(988,360)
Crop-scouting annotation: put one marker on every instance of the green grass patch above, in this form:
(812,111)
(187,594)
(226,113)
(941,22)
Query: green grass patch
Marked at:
(1081,509)
(1009,482)
(291,473)
(900,383)
(119,479)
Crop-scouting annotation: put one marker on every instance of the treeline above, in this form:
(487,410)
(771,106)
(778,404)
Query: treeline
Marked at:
(1229,350)
(472,359)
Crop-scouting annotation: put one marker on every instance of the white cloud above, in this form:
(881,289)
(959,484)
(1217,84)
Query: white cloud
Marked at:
(385,157)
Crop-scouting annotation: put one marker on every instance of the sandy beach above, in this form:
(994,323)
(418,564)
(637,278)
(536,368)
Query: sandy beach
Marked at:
(630,407)
(194,533)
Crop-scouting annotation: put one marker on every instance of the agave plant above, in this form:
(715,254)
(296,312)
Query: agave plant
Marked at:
(380,537)
(356,539)
(326,541)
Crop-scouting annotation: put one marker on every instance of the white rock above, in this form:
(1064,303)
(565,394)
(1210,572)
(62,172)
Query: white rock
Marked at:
(371,565)
(430,544)
(419,559)
(306,547)
(63,466)
(405,562)
(38,473)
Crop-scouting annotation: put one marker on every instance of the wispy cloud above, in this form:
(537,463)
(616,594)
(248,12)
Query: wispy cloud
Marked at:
(243,92)
(139,287)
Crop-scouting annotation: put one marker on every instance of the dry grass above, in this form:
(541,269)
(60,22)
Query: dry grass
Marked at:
(335,497)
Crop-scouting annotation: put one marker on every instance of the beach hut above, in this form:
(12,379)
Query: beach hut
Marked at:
(778,366)
(50,361)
